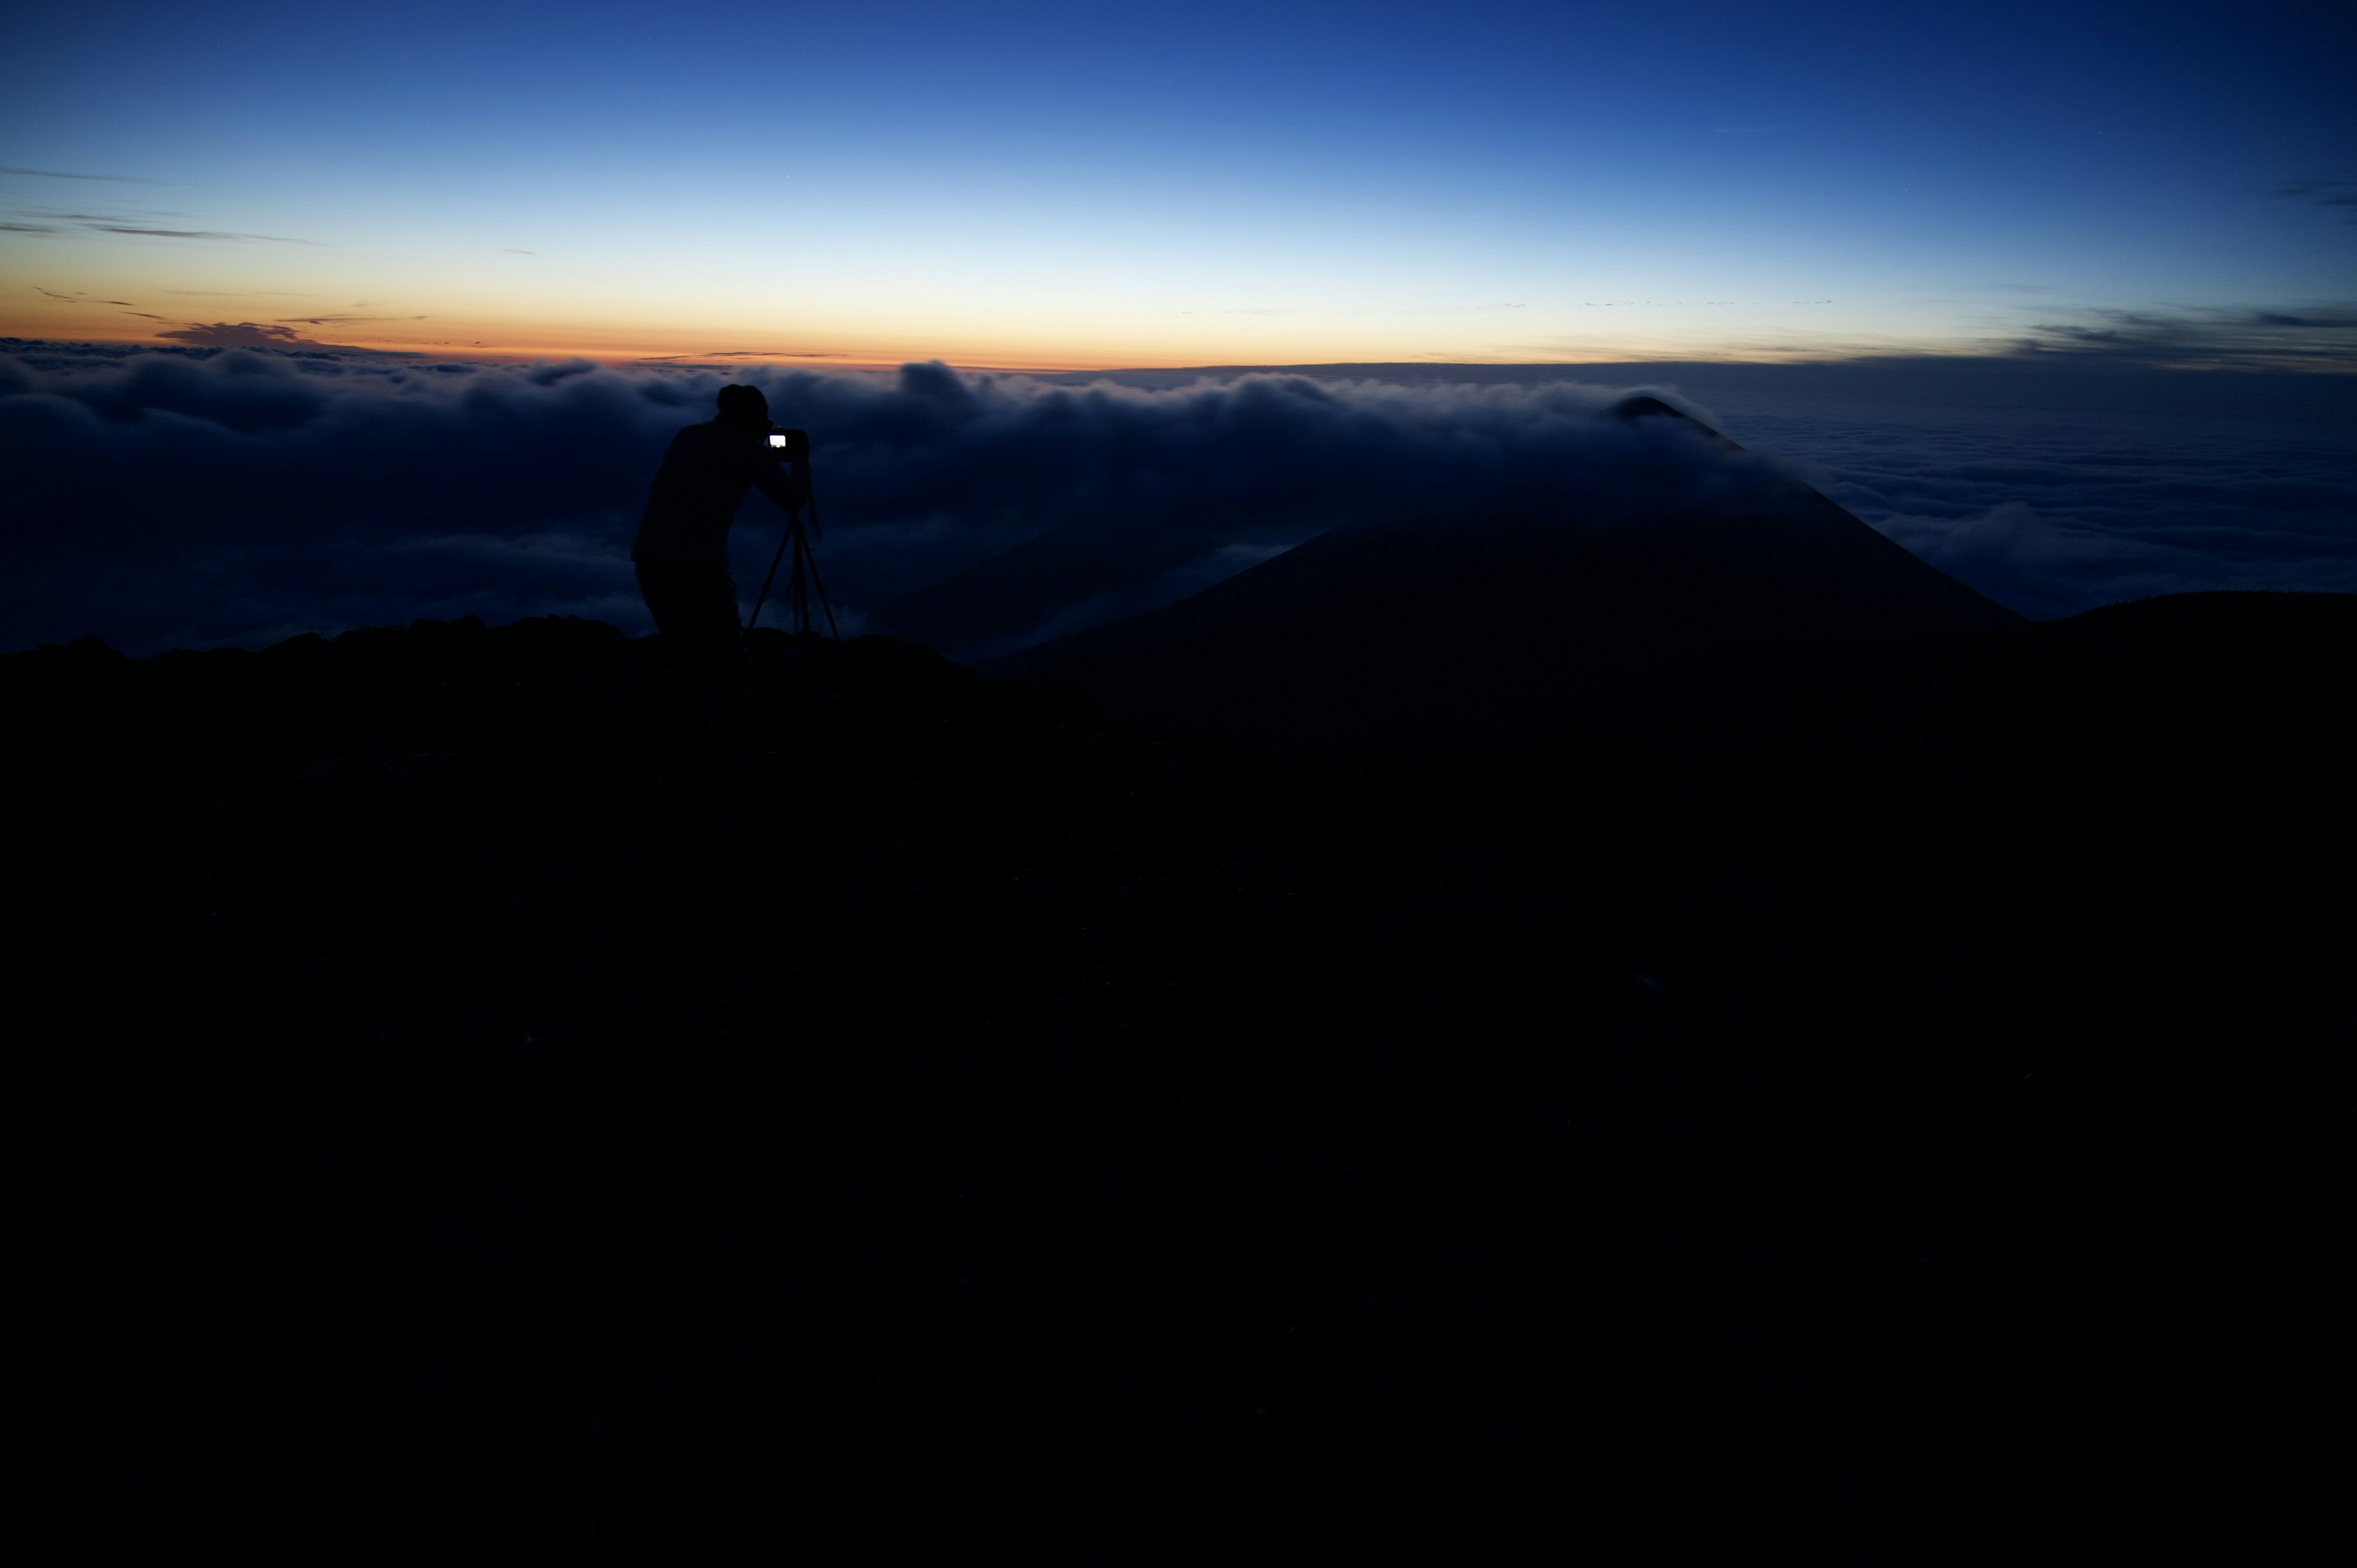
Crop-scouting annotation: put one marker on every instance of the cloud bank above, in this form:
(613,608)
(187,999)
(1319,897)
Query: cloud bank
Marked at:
(193,498)
(2060,512)
(166,498)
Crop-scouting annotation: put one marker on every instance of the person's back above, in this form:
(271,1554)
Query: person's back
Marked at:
(682,550)
(703,480)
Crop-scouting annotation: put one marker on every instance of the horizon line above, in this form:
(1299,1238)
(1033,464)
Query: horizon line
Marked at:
(519,354)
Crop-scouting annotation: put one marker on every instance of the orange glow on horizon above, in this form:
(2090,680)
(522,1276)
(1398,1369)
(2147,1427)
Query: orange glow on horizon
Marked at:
(602,348)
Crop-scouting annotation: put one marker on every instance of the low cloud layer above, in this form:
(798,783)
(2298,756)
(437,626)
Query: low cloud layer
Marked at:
(181,498)
(2061,512)
(173,497)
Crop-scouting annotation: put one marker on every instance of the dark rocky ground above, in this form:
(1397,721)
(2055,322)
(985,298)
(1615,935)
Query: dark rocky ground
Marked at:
(1902,1093)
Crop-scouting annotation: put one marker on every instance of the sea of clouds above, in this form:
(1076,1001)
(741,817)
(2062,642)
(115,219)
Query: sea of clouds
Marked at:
(164,498)
(2059,513)
(178,499)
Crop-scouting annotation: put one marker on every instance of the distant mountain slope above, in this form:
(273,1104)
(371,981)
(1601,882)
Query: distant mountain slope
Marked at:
(1022,590)
(1286,464)
(1502,628)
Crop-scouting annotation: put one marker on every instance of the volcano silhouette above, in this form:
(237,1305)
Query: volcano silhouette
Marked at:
(994,604)
(1506,627)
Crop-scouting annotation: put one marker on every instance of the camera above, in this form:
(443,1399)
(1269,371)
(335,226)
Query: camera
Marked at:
(793,446)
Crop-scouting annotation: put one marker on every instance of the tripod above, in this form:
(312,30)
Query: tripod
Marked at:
(803,580)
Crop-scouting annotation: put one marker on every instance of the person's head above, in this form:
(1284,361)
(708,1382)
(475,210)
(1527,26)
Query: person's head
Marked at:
(743,406)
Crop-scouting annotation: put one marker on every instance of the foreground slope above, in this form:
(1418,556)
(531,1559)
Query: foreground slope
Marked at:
(462,1128)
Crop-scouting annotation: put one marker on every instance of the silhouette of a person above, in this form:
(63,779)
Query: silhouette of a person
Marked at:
(681,553)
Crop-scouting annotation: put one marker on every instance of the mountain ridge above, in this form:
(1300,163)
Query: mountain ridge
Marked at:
(1523,624)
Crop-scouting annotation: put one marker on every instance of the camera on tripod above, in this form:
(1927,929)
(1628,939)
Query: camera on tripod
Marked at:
(793,446)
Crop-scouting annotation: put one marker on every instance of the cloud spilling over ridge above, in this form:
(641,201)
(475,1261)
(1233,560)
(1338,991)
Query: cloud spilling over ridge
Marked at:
(199,498)
(171,498)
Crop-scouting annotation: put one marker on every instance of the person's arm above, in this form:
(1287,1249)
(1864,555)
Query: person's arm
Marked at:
(788,488)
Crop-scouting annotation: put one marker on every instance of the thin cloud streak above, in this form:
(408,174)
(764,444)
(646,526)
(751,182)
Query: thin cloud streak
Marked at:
(191,233)
(243,335)
(2324,193)
(2317,337)
(59,174)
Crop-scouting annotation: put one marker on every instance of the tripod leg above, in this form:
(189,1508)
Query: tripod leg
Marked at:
(812,559)
(793,527)
(798,588)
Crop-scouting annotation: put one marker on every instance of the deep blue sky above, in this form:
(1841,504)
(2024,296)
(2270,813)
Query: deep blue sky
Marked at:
(1050,184)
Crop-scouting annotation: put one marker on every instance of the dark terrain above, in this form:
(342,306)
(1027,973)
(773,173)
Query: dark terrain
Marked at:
(1510,629)
(1843,1098)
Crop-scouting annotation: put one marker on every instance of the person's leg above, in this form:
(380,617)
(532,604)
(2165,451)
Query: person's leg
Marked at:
(695,607)
(726,679)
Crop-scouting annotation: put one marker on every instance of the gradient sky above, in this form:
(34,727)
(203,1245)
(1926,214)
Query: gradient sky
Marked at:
(1054,184)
